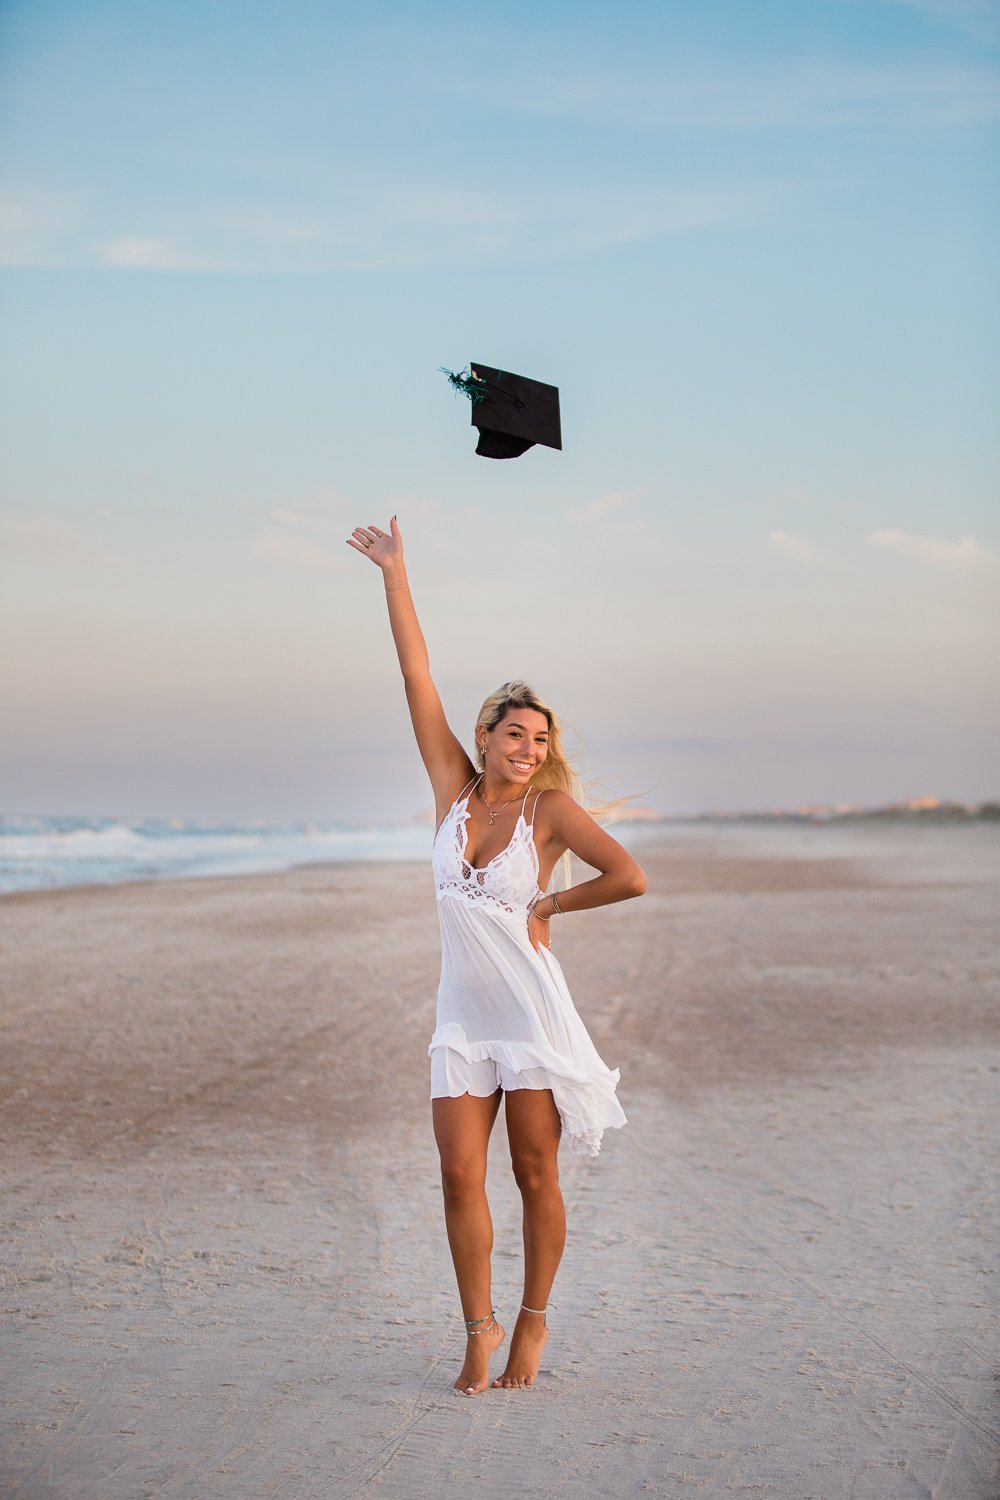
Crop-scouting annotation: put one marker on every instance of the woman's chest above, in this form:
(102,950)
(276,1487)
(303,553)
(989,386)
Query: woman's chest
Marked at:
(512,873)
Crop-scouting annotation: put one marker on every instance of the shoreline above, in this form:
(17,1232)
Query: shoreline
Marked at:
(167,880)
(844,839)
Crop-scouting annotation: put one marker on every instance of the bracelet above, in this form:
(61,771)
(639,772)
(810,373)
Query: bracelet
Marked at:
(395,588)
(538,896)
(556,908)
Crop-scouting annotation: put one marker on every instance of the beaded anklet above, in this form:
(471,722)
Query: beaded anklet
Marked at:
(490,1320)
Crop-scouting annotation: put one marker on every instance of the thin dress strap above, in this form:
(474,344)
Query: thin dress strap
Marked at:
(456,802)
(534,805)
(468,784)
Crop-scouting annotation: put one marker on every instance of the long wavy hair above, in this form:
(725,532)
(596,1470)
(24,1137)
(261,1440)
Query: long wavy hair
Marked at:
(556,769)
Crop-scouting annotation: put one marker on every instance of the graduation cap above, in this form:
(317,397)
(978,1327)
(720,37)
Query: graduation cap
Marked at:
(512,412)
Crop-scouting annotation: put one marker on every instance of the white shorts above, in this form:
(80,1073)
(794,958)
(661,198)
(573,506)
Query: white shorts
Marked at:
(453,1075)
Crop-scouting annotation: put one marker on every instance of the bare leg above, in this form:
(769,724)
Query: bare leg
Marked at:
(533,1129)
(462,1130)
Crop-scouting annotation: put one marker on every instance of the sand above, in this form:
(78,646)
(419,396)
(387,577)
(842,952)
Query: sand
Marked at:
(225,1271)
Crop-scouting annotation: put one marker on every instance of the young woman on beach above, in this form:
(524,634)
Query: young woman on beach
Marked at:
(506,1024)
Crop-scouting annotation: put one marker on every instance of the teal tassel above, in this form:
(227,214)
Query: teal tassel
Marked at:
(468,383)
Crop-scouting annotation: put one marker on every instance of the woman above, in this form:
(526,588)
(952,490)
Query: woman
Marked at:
(506,1024)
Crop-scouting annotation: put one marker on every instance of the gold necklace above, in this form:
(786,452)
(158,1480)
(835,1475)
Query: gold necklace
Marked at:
(495,813)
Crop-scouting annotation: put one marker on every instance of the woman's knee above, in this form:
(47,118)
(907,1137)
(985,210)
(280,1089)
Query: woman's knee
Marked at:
(462,1177)
(535,1172)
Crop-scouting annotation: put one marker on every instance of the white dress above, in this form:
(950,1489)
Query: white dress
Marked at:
(505,1017)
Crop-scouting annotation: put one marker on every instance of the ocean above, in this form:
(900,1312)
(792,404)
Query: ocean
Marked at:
(41,853)
(45,853)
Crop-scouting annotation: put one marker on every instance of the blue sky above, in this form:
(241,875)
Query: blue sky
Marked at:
(753,245)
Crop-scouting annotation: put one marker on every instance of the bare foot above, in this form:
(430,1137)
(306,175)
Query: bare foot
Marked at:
(475,1376)
(530,1334)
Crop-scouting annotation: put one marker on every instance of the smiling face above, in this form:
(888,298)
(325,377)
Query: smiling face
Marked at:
(517,745)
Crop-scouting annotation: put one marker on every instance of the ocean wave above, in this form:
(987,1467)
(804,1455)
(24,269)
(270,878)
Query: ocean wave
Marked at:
(39,853)
(118,841)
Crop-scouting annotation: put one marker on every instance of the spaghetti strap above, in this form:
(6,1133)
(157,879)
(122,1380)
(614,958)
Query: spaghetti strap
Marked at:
(534,805)
(456,802)
(467,785)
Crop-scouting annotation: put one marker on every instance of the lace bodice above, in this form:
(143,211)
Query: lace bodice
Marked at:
(510,879)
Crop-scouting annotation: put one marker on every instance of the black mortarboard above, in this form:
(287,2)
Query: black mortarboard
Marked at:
(512,412)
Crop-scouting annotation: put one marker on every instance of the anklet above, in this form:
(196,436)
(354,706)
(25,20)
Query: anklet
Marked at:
(539,1310)
(490,1320)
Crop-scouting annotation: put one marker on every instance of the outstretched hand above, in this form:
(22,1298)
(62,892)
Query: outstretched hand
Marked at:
(380,547)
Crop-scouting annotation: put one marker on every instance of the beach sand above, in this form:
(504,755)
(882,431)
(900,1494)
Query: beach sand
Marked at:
(225,1267)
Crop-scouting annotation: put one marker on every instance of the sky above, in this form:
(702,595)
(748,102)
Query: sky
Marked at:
(753,245)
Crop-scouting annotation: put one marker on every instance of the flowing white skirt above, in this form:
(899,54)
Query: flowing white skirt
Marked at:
(506,1020)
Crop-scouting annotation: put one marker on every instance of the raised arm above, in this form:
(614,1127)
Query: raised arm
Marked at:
(448,765)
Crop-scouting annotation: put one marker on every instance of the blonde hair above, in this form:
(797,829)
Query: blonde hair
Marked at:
(556,770)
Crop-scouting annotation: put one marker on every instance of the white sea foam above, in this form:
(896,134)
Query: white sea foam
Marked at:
(38,852)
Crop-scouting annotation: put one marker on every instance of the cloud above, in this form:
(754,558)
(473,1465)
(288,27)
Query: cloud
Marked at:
(49,539)
(288,517)
(608,503)
(296,552)
(792,546)
(147,253)
(602,506)
(965,552)
(978,18)
(323,509)
(798,94)
(388,224)
(239,237)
